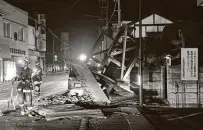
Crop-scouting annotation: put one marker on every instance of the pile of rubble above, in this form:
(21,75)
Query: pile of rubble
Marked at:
(85,100)
(78,102)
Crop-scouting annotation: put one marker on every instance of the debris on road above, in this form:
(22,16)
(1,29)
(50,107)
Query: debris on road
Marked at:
(84,100)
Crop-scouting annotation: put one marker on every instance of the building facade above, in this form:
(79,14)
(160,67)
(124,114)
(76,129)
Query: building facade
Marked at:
(33,53)
(40,43)
(13,39)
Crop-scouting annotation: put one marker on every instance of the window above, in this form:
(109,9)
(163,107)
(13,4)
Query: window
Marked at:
(21,34)
(7,30)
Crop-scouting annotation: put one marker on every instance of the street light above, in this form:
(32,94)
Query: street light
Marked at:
(82,57)
(55,56)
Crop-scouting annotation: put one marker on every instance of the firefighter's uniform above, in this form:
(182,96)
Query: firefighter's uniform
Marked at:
(24,89)
(37,79)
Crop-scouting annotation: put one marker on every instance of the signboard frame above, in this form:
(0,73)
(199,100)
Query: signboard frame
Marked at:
(189,64)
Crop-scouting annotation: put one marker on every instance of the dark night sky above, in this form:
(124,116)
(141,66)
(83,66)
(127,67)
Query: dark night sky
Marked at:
(60,17)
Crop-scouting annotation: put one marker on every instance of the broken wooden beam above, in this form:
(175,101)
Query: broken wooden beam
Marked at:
(130,66)
(75,113)
(100,52)
(110,59)
(132,38)
(104,29)
(118,36)
(120,51)
(124,52)
(78,113)
(78,117)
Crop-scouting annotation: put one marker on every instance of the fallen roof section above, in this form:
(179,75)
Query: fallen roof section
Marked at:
(91,84)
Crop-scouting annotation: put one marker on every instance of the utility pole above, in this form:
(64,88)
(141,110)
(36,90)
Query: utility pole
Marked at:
(119,13)
(104,5)
(53,53)
(36,29)
(141,57)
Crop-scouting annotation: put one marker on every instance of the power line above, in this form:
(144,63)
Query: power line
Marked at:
(105,28)
(35,20)
(66,9)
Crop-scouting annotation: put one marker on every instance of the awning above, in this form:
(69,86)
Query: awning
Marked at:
(5,51)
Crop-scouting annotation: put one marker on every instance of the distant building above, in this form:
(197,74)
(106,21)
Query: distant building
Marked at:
(65,45)
(13,39)
(151,25)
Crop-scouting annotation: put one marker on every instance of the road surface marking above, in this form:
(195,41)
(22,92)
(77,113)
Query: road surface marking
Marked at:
(182,117)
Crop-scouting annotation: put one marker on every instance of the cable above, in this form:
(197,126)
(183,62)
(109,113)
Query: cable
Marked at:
(66,9)
(49,30)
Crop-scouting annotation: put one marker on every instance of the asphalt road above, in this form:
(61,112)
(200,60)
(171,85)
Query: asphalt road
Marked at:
(175,118)
(52,84)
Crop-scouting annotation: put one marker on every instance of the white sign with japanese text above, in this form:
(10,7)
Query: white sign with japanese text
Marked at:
(189,63)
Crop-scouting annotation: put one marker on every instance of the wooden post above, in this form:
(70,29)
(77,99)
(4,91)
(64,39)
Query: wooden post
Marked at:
(163,81)
(140,67)
(124,50)
(53,56)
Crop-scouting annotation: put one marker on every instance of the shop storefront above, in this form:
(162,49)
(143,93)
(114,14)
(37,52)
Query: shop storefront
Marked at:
(9,60)
(9,70)
(4,54)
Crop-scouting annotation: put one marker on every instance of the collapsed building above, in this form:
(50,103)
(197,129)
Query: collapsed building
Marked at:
(162,81)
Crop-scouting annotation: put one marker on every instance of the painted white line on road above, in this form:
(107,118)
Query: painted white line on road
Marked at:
(182,117)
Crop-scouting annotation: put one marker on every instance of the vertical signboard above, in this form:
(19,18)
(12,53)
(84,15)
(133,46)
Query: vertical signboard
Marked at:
(41,36)
(189,63)
(65,40)
(65,45)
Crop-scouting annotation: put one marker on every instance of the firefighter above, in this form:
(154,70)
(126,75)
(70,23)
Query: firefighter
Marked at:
(37,78)
(24,88)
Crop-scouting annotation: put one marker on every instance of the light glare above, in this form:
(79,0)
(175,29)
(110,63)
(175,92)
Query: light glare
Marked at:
(82,57)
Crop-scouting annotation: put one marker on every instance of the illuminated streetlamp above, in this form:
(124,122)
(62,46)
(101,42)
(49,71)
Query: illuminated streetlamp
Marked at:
(82,57)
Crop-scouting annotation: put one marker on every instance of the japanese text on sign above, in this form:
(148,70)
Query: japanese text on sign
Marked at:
(189,64)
